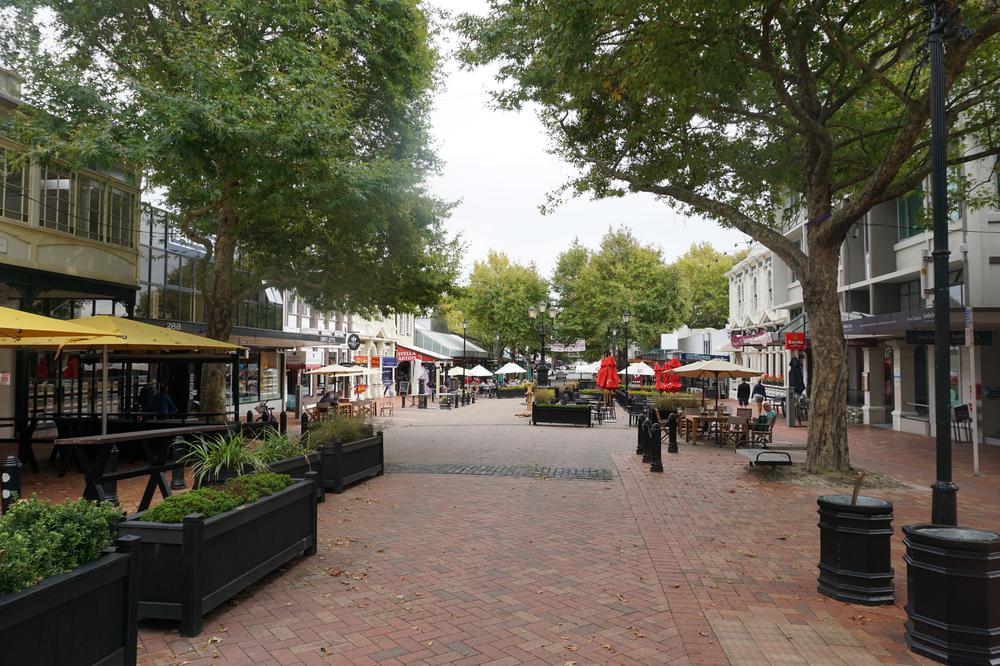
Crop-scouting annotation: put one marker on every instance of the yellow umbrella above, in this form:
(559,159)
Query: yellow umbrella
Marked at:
(16,326)
(714,368)
(108,332)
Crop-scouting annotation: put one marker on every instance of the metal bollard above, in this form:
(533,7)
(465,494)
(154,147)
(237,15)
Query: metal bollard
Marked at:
(648,443)
(249,416)
(672,433)
(177,473)
(304,427)
(111,487)
(640,446)
(283,422)
(656,454)
(10,482)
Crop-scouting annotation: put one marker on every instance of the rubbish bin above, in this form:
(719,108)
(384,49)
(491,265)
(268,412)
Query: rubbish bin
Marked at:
(953,593)
(855,562)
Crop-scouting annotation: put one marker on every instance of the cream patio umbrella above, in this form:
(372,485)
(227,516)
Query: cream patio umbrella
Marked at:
(457,371)
(511,369)
(480,371)
(716,368)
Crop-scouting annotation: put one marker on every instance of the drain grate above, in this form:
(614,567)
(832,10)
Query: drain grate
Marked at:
(528,471)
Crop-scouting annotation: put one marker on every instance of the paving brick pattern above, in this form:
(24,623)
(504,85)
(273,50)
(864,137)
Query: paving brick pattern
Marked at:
(515,471)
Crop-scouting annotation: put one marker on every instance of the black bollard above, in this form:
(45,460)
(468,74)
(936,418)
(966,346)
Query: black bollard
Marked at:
(304,427)
(283,422)
(10,481)
(249,416)
(640,447)
(656,455)
(647,449)
(111,487)
(177,473)
(672,433)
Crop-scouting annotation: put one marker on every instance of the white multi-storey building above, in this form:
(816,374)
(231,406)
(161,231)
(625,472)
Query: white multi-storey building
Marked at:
(886,285)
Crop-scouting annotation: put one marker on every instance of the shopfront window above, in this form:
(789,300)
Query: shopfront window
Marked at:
(269,376)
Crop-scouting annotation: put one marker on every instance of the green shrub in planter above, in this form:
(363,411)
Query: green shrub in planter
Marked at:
(211,501)
(593,391)
(545,396)
(39,540)
(671,401)
(275,446)
(339,429)
(210,457)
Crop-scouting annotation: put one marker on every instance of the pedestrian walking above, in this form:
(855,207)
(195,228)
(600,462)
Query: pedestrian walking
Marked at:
(743,393)
(758,395)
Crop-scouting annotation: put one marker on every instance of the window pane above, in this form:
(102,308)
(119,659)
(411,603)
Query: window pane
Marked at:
(14,194)
(88,207)
(55,199)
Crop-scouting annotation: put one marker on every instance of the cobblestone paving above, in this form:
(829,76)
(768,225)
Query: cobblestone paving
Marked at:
(516,471)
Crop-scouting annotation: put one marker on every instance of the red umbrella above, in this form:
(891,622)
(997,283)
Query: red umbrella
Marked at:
(658,373)
(671,382)
(612,380)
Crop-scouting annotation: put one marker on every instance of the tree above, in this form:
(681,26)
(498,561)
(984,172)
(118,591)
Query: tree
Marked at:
(289,134)
(496,302)
(760,115)
(595,288)
(704,285)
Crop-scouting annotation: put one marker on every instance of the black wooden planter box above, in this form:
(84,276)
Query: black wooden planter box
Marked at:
(297,467)
(953,593)
(511,392)
(565,415)
(84,617)
(343,464)
(190,568)
(855,562)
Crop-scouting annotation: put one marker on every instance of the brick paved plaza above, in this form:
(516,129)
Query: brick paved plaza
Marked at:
(493,541)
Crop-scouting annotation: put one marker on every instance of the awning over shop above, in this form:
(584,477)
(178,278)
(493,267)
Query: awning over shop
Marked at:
(447,344)
(414,353)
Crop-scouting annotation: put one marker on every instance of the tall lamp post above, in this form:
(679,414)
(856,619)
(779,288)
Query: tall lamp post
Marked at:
(533,312)
(625,319)
(465,364)
(944,497)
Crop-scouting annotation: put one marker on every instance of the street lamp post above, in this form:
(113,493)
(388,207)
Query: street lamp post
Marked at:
(533,312)
(465,364)
(944,509)
(625,319)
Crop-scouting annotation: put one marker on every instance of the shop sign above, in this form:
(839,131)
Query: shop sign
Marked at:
(389,362)
(364,360)
(969,331)
(295,358)
(578,346)
(755,340)
(862,342)
(353,341)
(403,354)
(956,338)
(795,341)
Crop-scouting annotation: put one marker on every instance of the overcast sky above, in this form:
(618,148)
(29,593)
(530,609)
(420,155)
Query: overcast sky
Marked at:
(496,163)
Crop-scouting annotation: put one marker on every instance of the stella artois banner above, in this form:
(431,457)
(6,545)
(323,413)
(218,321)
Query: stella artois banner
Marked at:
(577,346)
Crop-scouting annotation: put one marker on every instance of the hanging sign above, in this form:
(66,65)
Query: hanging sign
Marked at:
(578,346)
(353,341)
(795,341)
(389,362)
(969,331)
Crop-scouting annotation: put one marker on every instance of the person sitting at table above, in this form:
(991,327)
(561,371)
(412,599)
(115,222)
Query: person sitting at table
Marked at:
(767,409)
(328,398)
(163,404)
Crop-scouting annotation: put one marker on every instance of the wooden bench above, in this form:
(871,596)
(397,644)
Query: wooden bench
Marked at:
(156,444)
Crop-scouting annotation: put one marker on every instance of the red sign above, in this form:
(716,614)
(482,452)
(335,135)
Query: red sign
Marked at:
(795,341)
(404,354)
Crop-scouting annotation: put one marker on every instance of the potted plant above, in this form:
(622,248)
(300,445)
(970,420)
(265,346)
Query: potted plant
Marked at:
(350,450)
(513,391)
(60,572)
(216,458)
(202,547)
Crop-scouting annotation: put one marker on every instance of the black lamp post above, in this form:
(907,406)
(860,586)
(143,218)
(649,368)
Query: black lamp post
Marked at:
(944,500)
(625,319)
(465,365)
(533,312)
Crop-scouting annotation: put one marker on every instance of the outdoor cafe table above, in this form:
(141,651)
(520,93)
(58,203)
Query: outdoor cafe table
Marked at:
(694,422)
(156,444)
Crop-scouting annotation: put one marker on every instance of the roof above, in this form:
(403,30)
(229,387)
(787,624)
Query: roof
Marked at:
(425,354)
(448,344)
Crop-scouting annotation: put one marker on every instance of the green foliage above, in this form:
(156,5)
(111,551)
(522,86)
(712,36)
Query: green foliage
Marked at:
(496,302)
(545,396)
(210,501)
(704,285)
(210,456)
(39,540)
(274,447)
(666,402)
(558,406)
(591,391)
(524,386)
(340,429)
(595,288)
(290,132)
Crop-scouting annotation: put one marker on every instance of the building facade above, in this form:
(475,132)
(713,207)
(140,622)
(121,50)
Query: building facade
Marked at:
(886,288)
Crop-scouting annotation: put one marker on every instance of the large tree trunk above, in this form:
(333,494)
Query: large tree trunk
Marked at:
(219,311)
(827,444)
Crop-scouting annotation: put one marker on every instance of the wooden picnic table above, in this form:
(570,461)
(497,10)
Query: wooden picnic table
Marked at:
(156,444)
(694,421)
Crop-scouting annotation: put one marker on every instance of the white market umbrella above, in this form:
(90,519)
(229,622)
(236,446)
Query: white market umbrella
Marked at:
(456,372)
(716,368)
(337,369)
(511,369)
(638,370)
(480,371)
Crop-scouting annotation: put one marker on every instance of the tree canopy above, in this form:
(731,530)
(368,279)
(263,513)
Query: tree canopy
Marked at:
(767,116)
(496,302)
(595,288)
(702,273)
